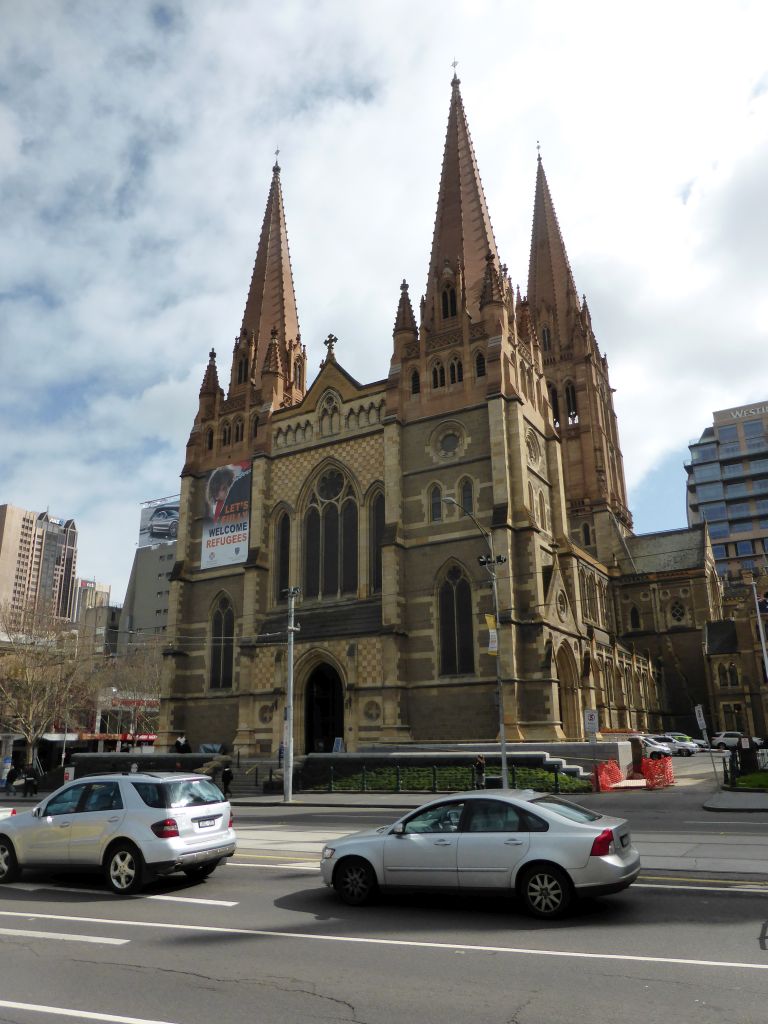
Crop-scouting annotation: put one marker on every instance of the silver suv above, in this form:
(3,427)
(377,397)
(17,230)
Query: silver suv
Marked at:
(133,827)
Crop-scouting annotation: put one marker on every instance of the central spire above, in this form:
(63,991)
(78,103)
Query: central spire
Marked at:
(271,300)
(463,236)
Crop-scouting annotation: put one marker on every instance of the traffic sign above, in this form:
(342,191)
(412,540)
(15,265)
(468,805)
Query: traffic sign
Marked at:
(590,720)
(700,717)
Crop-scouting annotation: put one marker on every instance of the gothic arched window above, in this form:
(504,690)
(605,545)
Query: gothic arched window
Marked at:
(733,675)
(222,645)
(570,403)
(299,375)
(553,401)
(209,440)
(449,302)
(467,497)
(438,375)
(546,339)
(634,618)
(239,430)
(282,555)
(254,426)
(330,538)
(376,534)
(242,370)
(457,654)
(436,504)
(480,365)
(456,372)
(226,433)
(722,676)
(586,534)
(415,383)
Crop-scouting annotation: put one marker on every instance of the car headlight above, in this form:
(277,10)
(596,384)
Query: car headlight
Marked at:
(328,852)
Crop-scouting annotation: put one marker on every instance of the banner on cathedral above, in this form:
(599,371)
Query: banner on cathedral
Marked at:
(227,515)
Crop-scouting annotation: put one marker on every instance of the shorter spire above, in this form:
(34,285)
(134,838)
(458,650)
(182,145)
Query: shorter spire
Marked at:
(492,290)
(405,320)
(210,385)
(272,362)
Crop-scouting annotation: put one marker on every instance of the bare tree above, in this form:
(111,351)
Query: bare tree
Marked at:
(44,677)
(130,682)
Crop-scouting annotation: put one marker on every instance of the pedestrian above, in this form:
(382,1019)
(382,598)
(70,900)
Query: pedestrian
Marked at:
(226,780)
(30,781)
(13,774)
(478,771)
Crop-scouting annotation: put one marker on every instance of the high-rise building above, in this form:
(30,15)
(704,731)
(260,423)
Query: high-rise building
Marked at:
(728,488)
(38,563)
(493,433)
(89,594)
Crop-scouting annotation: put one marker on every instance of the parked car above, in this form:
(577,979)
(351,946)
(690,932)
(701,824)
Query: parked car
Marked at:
(132,827)
(701,744)
(677,742)
(164,521)
(726,740)
(542,848)
(654,749)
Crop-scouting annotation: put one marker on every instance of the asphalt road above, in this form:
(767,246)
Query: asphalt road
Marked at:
(262,940)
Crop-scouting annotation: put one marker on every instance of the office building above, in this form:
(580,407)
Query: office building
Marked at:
(38,563)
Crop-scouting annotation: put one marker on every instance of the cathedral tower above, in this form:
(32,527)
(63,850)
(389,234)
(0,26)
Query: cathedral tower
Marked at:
(579,388)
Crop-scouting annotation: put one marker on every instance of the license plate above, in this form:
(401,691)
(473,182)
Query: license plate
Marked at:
(206,823)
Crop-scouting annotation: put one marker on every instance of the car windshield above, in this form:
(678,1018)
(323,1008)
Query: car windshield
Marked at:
(575,812)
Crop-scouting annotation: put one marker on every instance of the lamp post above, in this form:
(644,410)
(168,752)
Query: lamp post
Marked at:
(292,594)
(760,629)
(489,562)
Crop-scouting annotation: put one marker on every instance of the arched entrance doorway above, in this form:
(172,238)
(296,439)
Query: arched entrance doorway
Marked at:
(568,694)
(323,710)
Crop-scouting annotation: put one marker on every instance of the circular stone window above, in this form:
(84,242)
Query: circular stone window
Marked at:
(562,604)
(533,448)
(372,710)
(449,443)
(265,714)
(677,611)
(330,485)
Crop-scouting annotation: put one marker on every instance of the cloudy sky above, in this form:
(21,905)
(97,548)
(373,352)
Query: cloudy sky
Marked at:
(136,146)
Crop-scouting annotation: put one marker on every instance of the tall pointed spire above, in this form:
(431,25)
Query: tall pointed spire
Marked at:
(405,321)
(463,236)
(210,385)
(550,279)
(271,300)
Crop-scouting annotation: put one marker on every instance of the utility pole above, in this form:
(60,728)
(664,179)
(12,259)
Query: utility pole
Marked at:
(292,593)
(760,627)
(490,562)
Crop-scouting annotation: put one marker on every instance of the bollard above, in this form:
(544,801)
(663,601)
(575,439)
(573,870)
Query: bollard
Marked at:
(398,780)
(364,779)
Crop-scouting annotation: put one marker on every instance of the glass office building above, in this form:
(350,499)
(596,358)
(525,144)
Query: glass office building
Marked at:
(728,488)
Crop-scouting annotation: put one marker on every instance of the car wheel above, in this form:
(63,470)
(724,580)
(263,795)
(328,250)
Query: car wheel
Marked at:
(355,881)
(201,870)
(173,529)
(546,891)
(124,869)
(9,866)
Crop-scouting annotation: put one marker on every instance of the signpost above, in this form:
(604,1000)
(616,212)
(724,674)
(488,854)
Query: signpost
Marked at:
(702,724)
(591,726)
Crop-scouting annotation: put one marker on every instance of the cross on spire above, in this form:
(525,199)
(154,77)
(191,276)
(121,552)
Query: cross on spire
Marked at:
(277,154)
(329,342)
(454,65)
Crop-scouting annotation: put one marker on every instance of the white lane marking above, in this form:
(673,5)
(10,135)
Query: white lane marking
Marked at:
(702,888)
(405,943)
(42,887)
(100,940)
(293,866)
(714,820)
(62,1011)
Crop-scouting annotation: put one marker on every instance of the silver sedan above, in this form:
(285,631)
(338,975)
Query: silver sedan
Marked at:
(544,849)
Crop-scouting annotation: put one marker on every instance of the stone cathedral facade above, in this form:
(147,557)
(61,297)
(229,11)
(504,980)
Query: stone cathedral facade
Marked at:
(495,421)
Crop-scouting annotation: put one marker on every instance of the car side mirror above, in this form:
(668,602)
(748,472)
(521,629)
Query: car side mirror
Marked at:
(37,811)
(398,829)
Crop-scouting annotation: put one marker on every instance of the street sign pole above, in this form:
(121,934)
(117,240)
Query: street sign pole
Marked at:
(702,724)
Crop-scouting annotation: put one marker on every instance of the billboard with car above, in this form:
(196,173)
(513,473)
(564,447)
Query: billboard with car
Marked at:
(159,521)
(227,515)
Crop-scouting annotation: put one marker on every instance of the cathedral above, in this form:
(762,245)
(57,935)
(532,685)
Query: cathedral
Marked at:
(458,529)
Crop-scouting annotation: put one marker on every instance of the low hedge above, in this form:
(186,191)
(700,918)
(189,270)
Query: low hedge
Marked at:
(441,779)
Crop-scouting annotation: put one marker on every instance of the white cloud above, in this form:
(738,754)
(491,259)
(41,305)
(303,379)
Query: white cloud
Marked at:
(135,160)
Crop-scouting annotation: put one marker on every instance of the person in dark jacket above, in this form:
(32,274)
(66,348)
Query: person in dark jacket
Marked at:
(478,770)
(227,775)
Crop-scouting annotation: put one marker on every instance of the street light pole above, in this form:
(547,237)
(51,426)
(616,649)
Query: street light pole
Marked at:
(760,627)
(292,593)
(490,562)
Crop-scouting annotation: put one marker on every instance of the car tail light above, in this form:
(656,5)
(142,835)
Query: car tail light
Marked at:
(13,810)
(603,844)
(231,819)
(167,829)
